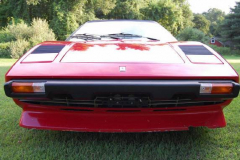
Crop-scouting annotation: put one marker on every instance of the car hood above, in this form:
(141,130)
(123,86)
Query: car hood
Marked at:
(122,53)
(121,60)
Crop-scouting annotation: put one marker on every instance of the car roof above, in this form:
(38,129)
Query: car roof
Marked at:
(121,20)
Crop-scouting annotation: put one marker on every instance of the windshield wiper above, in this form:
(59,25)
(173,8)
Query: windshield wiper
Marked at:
(86,37)
(154,39)
(121,36)
(126,36)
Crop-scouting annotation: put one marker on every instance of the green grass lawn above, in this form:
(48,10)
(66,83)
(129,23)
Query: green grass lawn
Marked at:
(198,143)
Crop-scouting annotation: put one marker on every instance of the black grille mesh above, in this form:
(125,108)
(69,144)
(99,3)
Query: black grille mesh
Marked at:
(103,102)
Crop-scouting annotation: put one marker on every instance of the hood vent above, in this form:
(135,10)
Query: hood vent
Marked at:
(199,54)
(195,50)
(44,54)
(48,49)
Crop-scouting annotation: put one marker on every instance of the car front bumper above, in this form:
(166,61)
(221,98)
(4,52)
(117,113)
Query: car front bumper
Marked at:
(99,120)
(87,89)
(107,119)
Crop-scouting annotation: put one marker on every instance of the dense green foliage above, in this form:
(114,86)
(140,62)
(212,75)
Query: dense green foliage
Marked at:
(225,50)
(201,23)
(4,49)
(16,39)
(167,14)
(215,23)
(64,16)
(216,18)
(192,34)
(231,26)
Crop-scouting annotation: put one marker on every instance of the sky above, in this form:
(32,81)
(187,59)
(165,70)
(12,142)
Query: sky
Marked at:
(199,6)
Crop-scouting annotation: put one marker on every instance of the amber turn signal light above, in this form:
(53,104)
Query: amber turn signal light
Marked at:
(216,88)
(20,87)
(222,88)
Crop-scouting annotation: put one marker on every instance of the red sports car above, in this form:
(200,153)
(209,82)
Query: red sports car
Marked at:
(121,76)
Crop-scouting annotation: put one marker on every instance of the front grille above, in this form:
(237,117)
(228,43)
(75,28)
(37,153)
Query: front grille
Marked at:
(124,102)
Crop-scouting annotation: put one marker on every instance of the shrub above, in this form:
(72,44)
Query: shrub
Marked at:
(18,48)
(225,50)
(39,32)
(18,38)
(5,36)
(19,31)
(4,50)
(192,34)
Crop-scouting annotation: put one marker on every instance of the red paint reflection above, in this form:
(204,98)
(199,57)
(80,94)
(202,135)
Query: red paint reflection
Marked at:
(141,47)
(81,47)
(123,46)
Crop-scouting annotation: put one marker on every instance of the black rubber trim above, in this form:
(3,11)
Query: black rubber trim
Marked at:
(195,50)
(167,110)
(164,89)
(48,49)
(78,110)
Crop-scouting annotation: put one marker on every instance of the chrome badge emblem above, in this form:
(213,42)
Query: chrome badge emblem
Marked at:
(122,69)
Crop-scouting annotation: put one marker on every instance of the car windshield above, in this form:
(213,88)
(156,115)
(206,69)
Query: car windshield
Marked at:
(138,29)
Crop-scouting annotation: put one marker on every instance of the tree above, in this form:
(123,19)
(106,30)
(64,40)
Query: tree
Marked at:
(18,38)
(192,34)
(231,25)
(103,7)
(174,15)
(17,9)
(201,23)
(65,16)
(186,12)
(126,9)
(63,20)
(214,14)
(216,17)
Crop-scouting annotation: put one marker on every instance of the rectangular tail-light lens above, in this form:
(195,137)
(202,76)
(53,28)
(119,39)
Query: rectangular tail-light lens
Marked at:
(216,88)
(20,87)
